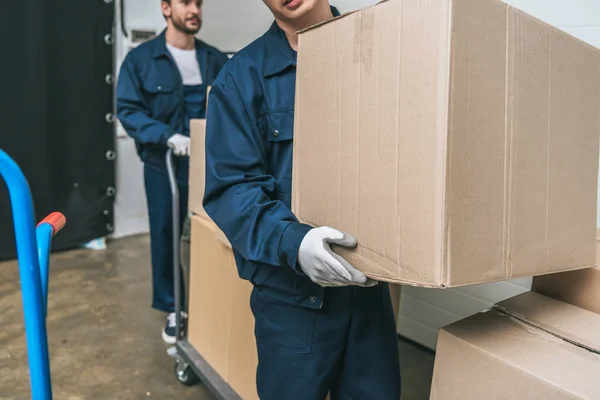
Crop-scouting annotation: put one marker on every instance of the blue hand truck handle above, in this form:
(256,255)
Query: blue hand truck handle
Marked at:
(33,252)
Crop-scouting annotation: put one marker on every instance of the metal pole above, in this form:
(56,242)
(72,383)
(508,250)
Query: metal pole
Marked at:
(176,229)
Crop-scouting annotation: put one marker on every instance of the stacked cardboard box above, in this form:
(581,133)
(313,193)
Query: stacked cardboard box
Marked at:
(528,347)
(221,325)
(457,140)
(197,174)
(535,346)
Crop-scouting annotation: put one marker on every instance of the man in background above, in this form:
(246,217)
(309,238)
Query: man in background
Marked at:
(162,86)
(321,326)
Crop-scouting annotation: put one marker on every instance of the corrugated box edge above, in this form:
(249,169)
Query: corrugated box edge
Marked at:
(315,26)
(510,308)
(338,17)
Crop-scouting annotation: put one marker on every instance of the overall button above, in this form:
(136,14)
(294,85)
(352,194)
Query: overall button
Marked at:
(275,133)
(313,299)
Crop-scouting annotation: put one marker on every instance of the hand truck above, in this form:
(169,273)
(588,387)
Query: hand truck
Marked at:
(33,253)
(190,366)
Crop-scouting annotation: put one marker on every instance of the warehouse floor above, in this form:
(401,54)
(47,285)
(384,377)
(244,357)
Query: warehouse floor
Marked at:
(105,340)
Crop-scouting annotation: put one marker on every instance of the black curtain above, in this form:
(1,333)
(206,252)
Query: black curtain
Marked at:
(56,106)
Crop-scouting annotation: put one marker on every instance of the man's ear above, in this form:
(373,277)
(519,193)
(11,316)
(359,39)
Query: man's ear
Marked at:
(166,9)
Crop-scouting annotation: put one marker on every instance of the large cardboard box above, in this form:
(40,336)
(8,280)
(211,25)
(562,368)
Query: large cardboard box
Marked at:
(580,288)
(529,347)
(457,140)
(197,174)
(221,324)
(211,296)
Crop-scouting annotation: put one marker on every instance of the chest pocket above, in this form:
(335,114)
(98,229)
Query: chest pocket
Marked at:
(162,98)
(278,126)
(277,129)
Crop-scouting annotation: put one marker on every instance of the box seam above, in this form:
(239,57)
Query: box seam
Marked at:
(518,317)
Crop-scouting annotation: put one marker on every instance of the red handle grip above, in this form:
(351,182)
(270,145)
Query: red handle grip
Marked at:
(56,220)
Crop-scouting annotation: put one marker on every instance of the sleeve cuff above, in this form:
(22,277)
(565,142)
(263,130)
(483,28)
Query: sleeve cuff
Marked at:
(166,135)
(289,245)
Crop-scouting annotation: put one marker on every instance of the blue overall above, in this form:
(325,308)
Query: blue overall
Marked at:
(152,105)
(158,196)
(310,340)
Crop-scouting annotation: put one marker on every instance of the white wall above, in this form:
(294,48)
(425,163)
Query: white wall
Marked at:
(424,311)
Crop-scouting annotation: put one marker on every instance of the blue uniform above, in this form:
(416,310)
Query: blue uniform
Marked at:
(310,340)
(152,105)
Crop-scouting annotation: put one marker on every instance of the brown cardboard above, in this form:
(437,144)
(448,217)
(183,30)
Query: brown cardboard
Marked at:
(530,347)
(212,279)
(580,288)
(220,236)
(197,175)
(221,324)
(243,357)
(457,140)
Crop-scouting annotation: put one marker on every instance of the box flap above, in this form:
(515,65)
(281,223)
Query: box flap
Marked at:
(338,17)
(326,22)
(562,320)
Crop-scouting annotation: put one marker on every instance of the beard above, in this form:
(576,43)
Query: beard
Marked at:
(180,25)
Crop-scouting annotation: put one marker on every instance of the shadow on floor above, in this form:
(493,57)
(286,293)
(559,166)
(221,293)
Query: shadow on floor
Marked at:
(105,340)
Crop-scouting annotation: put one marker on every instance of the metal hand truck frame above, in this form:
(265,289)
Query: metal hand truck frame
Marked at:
(190,366)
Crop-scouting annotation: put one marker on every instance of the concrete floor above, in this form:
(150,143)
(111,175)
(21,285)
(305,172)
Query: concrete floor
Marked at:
(105,340)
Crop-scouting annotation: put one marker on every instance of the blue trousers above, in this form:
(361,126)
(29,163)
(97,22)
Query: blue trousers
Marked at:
(348,348)
(158,196)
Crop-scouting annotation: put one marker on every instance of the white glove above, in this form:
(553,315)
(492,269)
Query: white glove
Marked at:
(180,144)
(323,266)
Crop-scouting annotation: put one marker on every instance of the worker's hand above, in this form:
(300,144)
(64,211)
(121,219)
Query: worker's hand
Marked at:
(323,266)
(180,144)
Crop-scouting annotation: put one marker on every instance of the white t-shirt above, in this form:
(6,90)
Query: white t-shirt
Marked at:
(187,63)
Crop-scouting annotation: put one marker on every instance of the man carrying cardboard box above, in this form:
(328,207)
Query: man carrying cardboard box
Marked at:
(320,324)
(162,85)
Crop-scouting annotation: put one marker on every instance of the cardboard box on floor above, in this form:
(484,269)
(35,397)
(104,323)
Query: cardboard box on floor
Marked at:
(528,347)
(221,324)
(579,288)
(457,140)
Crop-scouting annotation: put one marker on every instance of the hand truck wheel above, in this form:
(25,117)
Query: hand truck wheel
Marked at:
(185,374)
